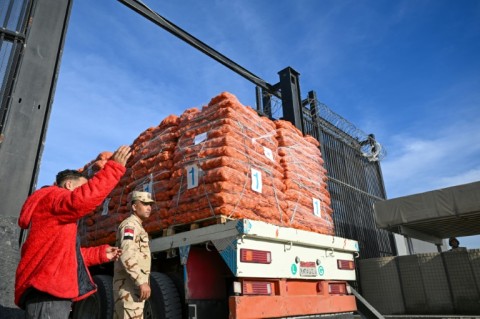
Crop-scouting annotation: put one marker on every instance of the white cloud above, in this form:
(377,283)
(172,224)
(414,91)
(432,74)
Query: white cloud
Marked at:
(468,176)
(421,163)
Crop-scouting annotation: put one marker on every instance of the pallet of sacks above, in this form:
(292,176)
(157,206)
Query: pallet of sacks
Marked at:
(148,169)
(226,164)
(305,180)
(221,160)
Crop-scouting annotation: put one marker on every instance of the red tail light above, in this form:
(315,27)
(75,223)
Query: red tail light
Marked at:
(346,264)
(257,288)
(255,256)
(337,288)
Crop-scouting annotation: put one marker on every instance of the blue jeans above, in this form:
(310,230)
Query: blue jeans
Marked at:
(40,305)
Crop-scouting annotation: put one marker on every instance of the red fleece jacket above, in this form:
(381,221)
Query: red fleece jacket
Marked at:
(49,259)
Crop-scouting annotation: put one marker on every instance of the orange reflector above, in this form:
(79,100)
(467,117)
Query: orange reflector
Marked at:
(345,264)
(337,288)
(255,256)
(257,288)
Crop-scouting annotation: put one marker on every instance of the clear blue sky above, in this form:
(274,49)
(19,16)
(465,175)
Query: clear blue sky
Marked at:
(407,71)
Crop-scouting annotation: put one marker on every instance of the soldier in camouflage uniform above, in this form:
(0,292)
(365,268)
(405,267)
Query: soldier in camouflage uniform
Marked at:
(132,271)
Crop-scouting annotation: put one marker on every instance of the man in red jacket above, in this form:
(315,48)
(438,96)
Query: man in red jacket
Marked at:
(53,267)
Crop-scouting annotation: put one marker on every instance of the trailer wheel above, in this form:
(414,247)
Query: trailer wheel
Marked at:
(164,303)
(177,280)
(100,304)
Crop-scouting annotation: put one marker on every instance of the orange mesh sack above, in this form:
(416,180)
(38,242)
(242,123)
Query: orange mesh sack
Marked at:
(226,164)
(221,160)
(148,169)
(309,203)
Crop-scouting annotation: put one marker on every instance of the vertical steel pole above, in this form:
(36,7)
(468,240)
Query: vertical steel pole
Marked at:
(291,99)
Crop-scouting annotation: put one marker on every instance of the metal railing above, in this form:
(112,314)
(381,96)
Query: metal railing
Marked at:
(355,180)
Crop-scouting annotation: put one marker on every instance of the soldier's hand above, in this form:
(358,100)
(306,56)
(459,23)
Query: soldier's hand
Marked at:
(113,253)
(121,155)
(145,291)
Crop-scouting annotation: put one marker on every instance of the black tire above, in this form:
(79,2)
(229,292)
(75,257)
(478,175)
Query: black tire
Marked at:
(164,302)
(100,304)
(179,284)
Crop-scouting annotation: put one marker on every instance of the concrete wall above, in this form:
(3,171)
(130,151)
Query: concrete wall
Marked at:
(9,258)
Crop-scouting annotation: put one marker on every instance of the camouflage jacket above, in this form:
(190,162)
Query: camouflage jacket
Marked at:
(135,261)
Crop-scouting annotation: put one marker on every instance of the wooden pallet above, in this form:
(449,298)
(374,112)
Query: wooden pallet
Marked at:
(180,228)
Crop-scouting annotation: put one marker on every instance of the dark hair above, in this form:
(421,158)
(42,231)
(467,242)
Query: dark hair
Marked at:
(452,240)
(67,174)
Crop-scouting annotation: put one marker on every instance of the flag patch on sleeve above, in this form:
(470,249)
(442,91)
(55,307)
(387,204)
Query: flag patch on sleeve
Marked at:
(128,233)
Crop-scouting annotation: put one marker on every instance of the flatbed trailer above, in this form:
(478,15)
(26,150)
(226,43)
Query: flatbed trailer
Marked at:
(245,269)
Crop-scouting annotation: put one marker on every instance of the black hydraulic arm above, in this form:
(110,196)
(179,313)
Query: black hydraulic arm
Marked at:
(151,15)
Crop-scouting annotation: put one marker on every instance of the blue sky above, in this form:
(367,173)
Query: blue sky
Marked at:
(407,71)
